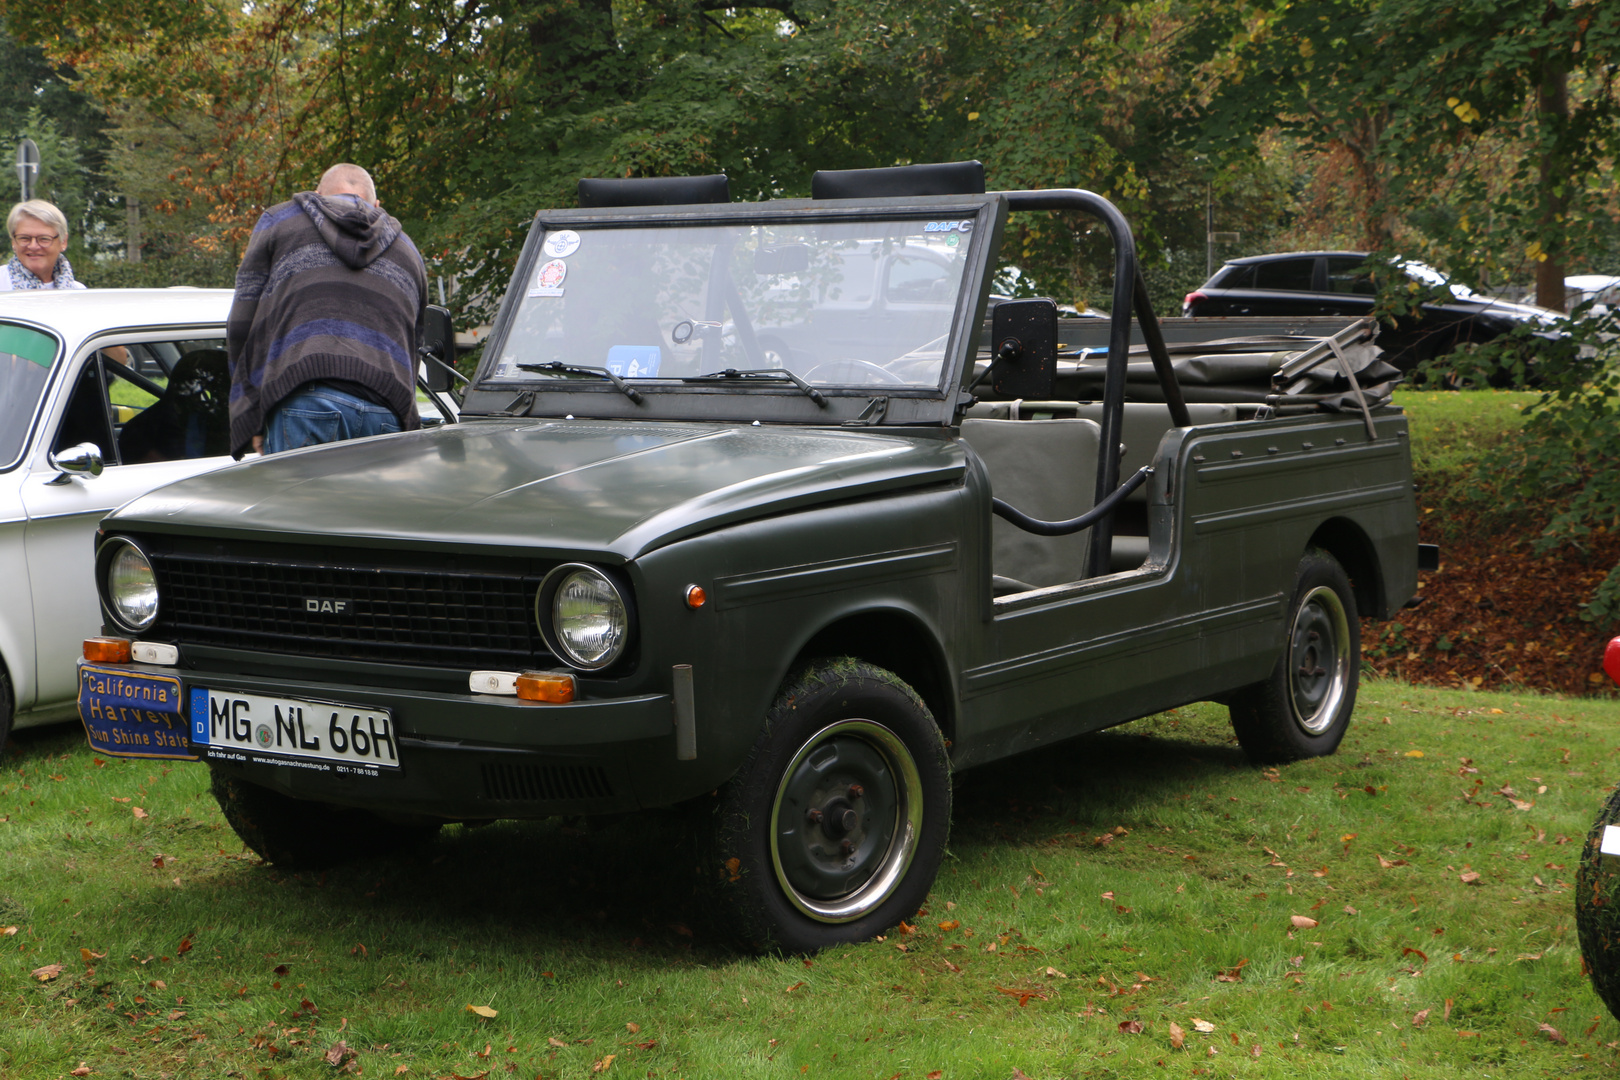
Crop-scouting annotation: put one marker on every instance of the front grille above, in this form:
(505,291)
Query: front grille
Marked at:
(545,783)
(433,617)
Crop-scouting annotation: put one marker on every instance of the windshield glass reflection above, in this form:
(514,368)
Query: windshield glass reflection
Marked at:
(834,303)
(25,365)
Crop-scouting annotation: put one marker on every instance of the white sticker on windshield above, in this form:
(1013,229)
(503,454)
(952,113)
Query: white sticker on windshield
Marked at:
(548,281)
(561,244)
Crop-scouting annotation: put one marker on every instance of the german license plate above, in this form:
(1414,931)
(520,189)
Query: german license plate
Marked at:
(132,714)
(320,735)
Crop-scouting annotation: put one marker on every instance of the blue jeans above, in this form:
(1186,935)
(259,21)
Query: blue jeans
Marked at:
(317,413)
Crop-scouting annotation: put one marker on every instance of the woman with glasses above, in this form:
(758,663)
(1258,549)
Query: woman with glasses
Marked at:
(39,236)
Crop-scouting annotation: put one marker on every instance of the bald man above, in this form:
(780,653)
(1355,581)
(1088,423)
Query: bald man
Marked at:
(329,308)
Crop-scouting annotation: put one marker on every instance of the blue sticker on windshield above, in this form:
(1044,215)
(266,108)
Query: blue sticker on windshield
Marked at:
(634,361)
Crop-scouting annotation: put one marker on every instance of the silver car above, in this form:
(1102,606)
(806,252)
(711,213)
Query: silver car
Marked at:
(105,394)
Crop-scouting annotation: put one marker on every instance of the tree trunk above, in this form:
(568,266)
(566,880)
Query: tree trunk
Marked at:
(1552,114)
(132,229)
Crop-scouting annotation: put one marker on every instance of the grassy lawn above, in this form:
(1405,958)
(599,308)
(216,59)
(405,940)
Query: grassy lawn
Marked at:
(1449,428)
(1402,909)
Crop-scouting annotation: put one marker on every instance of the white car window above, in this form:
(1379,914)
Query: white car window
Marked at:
(152,401)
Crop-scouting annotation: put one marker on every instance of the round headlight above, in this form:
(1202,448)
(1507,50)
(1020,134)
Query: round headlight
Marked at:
(129,586)
(586,616)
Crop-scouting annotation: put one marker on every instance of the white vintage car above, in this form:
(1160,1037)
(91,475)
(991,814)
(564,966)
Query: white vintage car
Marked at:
(105,394)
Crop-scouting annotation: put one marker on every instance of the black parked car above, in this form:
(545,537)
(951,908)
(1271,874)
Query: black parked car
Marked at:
(1337,283)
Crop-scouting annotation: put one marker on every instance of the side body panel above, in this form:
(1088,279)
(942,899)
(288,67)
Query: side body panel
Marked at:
(1233,508)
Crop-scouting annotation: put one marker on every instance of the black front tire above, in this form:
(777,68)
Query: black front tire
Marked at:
(1597,909)
(835,826)
(1303,708)
(8,707)
(298,834)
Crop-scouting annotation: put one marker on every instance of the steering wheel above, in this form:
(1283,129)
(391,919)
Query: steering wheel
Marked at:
(851,370)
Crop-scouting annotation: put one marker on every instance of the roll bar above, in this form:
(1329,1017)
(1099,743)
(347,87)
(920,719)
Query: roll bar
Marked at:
(1130,293)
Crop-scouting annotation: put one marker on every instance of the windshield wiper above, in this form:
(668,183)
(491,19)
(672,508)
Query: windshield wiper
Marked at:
(557,365)
(765,373)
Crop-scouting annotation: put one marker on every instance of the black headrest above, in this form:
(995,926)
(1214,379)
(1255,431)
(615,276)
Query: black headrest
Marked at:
(945,178)
(654,191)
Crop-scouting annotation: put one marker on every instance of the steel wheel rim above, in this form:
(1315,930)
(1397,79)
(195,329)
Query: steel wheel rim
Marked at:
(819,876)
(1318,660)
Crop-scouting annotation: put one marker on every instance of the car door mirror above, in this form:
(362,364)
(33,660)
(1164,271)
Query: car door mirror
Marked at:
(438,349)
(81,460)
(1023,335)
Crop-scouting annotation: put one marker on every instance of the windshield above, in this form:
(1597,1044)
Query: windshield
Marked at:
(25,364)
(831,302)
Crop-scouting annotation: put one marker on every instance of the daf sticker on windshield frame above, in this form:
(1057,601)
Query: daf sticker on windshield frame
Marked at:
(963,227)
(561,244)
(549,278)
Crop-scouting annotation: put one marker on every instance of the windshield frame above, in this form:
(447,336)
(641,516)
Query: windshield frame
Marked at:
(767,401)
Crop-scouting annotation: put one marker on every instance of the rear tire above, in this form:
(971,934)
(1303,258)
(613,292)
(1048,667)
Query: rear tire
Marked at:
(299,834)
(1303,708)
(834,828)
(8,707)
(1597,909)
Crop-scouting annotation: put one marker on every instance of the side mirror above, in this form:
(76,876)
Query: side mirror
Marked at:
(439,349)
(1024,340)
(81,460)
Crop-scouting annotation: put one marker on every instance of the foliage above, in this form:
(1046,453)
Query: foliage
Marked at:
(1479,135)
(1403,908)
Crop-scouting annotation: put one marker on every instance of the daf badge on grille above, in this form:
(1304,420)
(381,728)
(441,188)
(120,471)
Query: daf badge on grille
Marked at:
(335,607)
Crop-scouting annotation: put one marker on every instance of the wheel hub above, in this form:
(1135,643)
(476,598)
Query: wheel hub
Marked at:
(846,820)
(1318,669)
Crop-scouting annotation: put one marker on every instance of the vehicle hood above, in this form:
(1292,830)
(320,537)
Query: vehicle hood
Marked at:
(624,487)
(1543,318)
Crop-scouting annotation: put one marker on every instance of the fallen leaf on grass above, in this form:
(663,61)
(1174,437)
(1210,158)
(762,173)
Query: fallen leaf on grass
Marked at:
(339,1053)
(1303,922)
(1023,995)
(47,973)
(1178,1037)
(401,1070)
(936,1074)
(554,1041)
(483,1010)
(1388,864)
(1469,877)
(1418,1018)
(1203,1027)
(82,1070)
(1130,1027)
(10,931)
(1233,974)
(88,956)
(602,1066)
(1552,1033)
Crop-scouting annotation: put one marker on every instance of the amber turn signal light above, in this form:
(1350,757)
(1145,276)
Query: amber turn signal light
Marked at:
(106,650)
(696,597)
(555,687)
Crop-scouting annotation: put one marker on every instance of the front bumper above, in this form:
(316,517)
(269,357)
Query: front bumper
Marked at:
(460,756)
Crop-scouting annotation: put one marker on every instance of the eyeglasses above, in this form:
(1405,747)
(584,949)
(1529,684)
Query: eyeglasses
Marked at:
(33,241)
